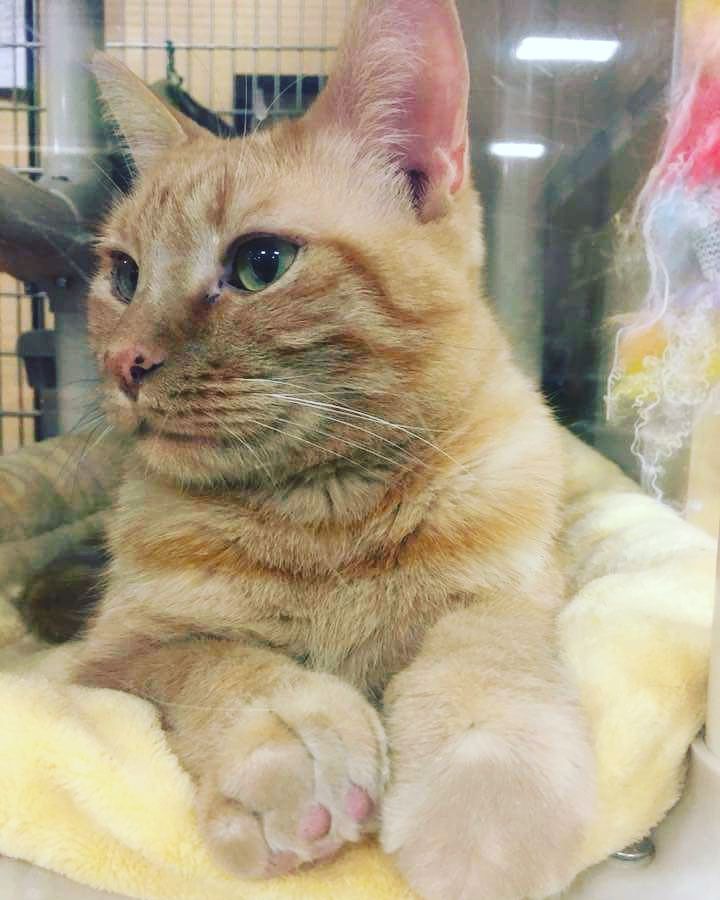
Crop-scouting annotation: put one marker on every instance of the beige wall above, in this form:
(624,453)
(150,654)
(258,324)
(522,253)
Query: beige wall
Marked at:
(14,392)
(15,317)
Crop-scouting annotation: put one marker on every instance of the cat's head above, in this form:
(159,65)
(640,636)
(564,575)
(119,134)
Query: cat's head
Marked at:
(305,298)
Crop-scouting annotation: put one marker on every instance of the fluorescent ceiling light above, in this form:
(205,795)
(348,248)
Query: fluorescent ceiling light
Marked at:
(566,49)
(517,149)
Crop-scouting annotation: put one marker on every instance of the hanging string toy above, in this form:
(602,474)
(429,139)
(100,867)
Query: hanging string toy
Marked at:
(667,358)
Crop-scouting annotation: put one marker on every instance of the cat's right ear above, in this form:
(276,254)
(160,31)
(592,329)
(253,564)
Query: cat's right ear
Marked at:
(147,125)
(400,85)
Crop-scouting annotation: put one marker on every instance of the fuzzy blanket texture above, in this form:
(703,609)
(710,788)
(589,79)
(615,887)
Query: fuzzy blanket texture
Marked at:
(89,788)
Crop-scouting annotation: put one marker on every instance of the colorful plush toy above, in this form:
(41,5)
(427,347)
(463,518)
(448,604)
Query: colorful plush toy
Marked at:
(667,359)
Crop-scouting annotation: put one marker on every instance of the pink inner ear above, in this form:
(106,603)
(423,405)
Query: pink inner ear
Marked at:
(401,81)
(435,118)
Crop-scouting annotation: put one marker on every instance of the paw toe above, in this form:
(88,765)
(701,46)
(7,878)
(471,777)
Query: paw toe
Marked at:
(315,824)
(359,804)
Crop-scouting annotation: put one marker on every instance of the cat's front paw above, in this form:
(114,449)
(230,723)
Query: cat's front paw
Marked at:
(483,815)
(295,779)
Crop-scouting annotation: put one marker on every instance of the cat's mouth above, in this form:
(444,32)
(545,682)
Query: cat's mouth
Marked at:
(183,438)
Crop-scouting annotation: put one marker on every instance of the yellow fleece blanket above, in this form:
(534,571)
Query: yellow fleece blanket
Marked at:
(89,788)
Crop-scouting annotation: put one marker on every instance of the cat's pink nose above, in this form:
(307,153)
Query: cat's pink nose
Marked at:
(132,366)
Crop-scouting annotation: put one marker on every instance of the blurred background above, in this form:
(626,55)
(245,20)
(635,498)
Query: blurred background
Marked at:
(567,113)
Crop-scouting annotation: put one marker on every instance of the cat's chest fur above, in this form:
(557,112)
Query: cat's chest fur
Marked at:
(337,599)
(354,597)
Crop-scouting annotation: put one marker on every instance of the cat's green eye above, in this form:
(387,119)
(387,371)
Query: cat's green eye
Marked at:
(260,262)
(125,276)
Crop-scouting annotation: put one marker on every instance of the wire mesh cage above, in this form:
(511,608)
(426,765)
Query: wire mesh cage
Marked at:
(21,308)
(238,57)
(233,65)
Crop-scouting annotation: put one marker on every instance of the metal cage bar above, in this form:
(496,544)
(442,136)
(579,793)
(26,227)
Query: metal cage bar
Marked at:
(20,115)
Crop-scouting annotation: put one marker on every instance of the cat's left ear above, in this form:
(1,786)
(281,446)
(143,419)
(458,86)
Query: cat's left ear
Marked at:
(149,127)
(401,84)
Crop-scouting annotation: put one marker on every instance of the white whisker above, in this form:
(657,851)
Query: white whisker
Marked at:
(311,444)
(368,417)
(373,434)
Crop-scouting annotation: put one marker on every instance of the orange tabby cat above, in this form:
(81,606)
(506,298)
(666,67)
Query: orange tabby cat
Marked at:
(333,563)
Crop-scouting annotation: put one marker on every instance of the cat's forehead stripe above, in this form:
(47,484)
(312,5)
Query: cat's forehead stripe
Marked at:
(224,182)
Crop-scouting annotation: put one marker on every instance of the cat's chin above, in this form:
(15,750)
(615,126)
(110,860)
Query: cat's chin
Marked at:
(169,441)
(188,458)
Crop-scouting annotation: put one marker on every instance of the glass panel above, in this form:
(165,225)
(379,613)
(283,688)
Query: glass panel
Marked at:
(578,137)
(568,111)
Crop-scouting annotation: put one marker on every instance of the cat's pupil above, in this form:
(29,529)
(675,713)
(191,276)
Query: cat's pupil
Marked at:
(260,262)
(125,277)
(128,274)
(265,262)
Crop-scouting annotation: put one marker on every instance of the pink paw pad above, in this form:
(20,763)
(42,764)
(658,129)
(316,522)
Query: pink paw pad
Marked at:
(359,804)
(315,824)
